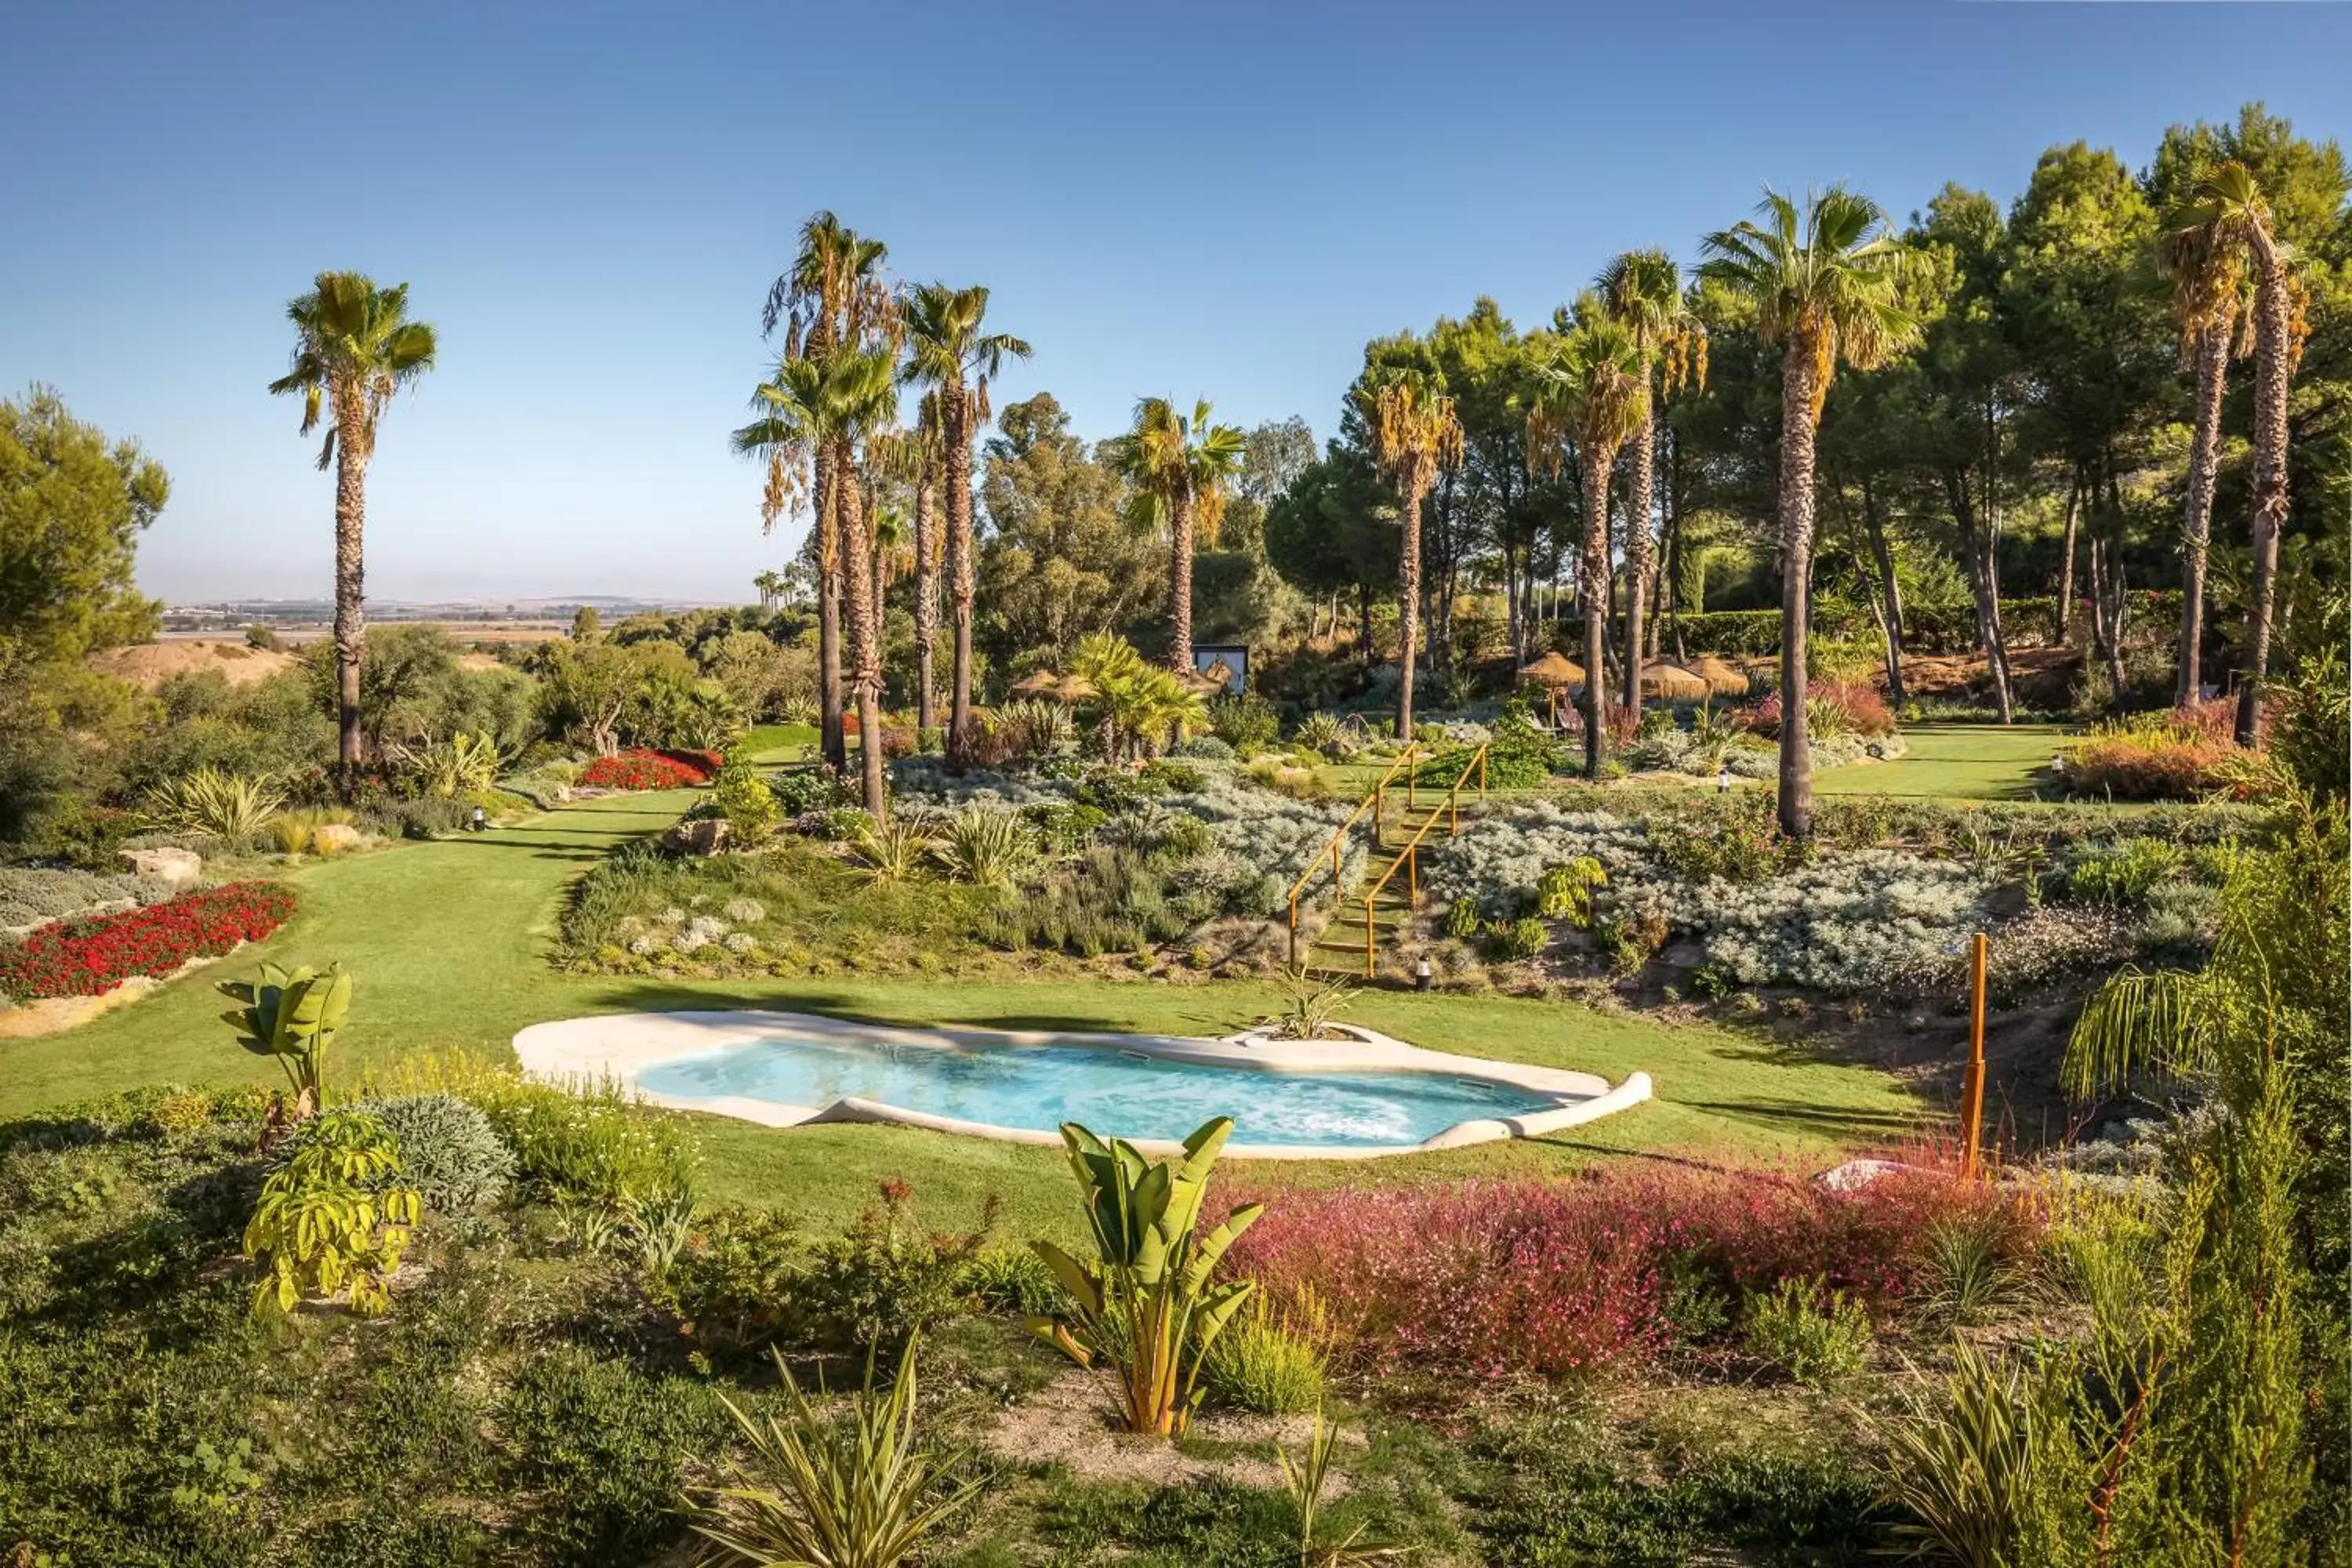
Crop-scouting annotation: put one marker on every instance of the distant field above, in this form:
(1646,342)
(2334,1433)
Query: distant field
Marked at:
(296,633)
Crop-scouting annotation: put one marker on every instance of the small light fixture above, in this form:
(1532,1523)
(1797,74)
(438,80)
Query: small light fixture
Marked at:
(1421,976)
(2058,763)
(1723,780)
(481,819)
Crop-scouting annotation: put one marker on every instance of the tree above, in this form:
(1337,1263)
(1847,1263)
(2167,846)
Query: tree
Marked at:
(354,349)
(950,356)
(832,295)
(2209,279)
(1412,431)
(930,458)
(1182,469)
(770,586)
(1824,283)
(1060,560)
(1331,533)
(1643,291)
(587,625)
(1596,391)
(72,506)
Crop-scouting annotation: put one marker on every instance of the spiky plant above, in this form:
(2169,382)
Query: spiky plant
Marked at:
(892,851)
(988,847)
(213,801)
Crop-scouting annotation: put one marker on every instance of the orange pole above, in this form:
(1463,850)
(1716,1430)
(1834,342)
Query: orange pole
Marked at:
(1294,930)
(1413,875)
(1369,967)
(1972,1089)
(1380,798)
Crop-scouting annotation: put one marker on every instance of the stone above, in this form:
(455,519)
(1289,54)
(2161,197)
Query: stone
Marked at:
(335,839)
(178,868)
(703,836)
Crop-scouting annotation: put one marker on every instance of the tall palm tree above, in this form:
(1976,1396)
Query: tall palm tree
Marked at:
(833,294)
(771,587)
(1643,289)
(1182,468)
(930,454)
(2209,285)
(828,406)
(1413,432)
(354,349)
(949,355)
(1596,392)
(1823,280)
(2230,206)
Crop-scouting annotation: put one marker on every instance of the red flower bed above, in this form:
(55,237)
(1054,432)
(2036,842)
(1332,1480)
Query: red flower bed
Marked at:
(703,765)
(1496,1277)
(88,957)
(643,769)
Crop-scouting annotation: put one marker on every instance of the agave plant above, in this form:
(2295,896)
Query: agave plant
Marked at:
(213,801)
(988,847)
(822,1493)
(797,707)
(1320,732)
(1310,1006)
(462,764)
(893,852)
(1148,1304)
(1033,728)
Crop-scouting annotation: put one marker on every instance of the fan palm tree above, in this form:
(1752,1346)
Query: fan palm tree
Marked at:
(1643,291)
(354,349)
(2209,285)
(2228,206)
(1823,280)
(1595,391)
(833,294)
(954,360)
(827,404)
(1182,468)
(1133,700)
(1413,433)
(771,587)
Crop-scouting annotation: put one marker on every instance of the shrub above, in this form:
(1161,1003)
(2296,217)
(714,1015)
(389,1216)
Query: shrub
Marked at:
(800,790)
(1010,1280)
(449,1152)
(211,801)
(1848,923)
(91,957)
(2178,755)
(886,1281)
(2123,876)
(32,897)
(332,1218)
(893,852)
(732,1283)
(1833,708)
(1462,919)
(750,807)
(641,769)
(1247,724)
(592,1144)
(1523,938)
(1205,749)
(292,1015)
(1565,893)
(1811,1334)
(1270,1359)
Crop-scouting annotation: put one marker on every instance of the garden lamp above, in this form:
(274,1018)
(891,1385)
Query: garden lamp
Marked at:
(1723,780)
(1421,975)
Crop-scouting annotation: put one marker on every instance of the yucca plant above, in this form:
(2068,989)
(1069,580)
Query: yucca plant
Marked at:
(463,765)
(1310,1006)
(1148,1304)
(1305,1481)
(988,847)
(210,800)
(1033,728)
(1961,1467)
(1319,732)
(892,852)
(821,1493)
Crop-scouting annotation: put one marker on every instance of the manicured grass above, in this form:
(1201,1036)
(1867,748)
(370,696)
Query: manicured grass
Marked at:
(772,744)
(449,939)
(1957,762)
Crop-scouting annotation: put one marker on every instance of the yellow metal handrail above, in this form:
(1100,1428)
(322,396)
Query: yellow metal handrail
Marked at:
(1336,847)
(1409,859)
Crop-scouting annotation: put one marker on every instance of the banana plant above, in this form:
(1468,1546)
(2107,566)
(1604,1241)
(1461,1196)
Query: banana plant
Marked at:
(1148,1304)
(292,1015)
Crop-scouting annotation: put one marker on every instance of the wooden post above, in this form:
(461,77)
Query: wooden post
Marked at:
(1380,798)
(1369,970)
(1482,770)
(1413,875)
(1294,929)
(1972,1088)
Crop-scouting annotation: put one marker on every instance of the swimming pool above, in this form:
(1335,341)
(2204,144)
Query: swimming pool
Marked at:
(1361,1096)
(1038,1088)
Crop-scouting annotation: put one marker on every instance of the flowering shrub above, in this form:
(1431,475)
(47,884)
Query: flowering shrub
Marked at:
(1496,1277)
(1500,856)
(1833,707)
(1852,922)
(2177,755)
(89,957)
(645,770)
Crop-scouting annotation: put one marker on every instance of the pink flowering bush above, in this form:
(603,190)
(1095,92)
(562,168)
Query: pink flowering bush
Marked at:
(1557,1278)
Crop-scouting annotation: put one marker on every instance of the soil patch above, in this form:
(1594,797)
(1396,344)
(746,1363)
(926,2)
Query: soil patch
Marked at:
(149,665)
(1069,1423)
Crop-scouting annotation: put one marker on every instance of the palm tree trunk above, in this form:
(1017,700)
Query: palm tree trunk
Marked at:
(833,743)
(2273,374)
(865,634)
(927,601)
(1179,582)
(351,595)
(955,408)
(2066,616)
(1800,412)
(1640,552)
(2197,532)
(1596,609)
(1408,605)
(1888,602)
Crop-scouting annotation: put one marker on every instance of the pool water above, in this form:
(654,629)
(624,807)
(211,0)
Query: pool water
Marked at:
(1111,1092)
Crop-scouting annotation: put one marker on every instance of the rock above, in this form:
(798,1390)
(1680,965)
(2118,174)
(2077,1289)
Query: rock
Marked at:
(335,839)
(178,868)
(703,836)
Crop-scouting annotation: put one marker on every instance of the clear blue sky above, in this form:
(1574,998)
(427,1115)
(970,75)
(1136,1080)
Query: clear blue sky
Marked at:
(1211,198)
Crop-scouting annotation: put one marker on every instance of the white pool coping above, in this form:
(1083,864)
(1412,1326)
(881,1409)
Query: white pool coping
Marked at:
(621,1047)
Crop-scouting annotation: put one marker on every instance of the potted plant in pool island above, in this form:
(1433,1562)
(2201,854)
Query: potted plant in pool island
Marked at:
(1148,1304)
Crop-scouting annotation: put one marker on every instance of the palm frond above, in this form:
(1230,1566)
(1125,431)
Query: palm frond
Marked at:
(2140,1021)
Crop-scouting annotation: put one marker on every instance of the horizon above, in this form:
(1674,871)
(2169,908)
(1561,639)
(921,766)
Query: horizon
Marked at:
(584,217)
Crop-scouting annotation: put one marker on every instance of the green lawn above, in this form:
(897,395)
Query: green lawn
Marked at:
(448,942)
(1957,762)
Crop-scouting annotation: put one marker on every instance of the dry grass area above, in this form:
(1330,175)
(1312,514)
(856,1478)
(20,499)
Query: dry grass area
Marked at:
(149,665)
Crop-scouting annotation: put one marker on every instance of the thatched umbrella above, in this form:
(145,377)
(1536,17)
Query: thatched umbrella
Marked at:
(1723,679)
(1073,689)
(1043,683)
(1555,671)
(1673,683)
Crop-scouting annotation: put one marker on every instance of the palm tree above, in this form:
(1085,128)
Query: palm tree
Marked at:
(1596,390)
(2208,278)
(833,294)
(826,405)
(1643,290)
(354,349)
(1823,281)
(2230,207)
(930,454)
(1133,700)
(949,354)
(771,587)
(1413,433)
(1180,468)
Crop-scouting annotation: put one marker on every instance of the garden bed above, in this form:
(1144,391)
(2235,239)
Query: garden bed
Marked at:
(91,957)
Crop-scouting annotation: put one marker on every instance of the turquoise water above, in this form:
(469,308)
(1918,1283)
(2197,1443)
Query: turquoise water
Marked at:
(1109,1091)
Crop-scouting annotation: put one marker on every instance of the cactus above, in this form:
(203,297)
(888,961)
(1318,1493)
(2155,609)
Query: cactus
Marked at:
(292,1015)
(1150,1304)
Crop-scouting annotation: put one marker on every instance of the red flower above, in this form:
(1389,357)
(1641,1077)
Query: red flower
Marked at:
(89,957)
(643,769)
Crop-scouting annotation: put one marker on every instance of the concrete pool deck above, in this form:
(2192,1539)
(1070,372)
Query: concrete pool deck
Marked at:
(623,1047)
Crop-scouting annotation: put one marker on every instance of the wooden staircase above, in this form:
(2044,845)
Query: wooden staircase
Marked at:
(1374,911)
(1340,949)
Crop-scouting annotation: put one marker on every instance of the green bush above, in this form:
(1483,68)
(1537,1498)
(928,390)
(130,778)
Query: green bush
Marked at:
(1248,723)
(1271,1361)
(1810,1334)
(449,1151)
(733,1284)
(2122,877)
(1010,1280)
(594,1144)
(747,803)
(1461,918)
(601,1449)
(1522,937)
(885,1281)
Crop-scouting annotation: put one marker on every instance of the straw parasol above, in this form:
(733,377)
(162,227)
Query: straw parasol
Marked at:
(1211,681)
(1554,669)
(1073,689)
(1723,679)
(1673,683)
(1043,683)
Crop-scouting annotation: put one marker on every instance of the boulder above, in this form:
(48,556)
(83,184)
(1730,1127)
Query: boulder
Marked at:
(703,836)
(178,868)
(335,839)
